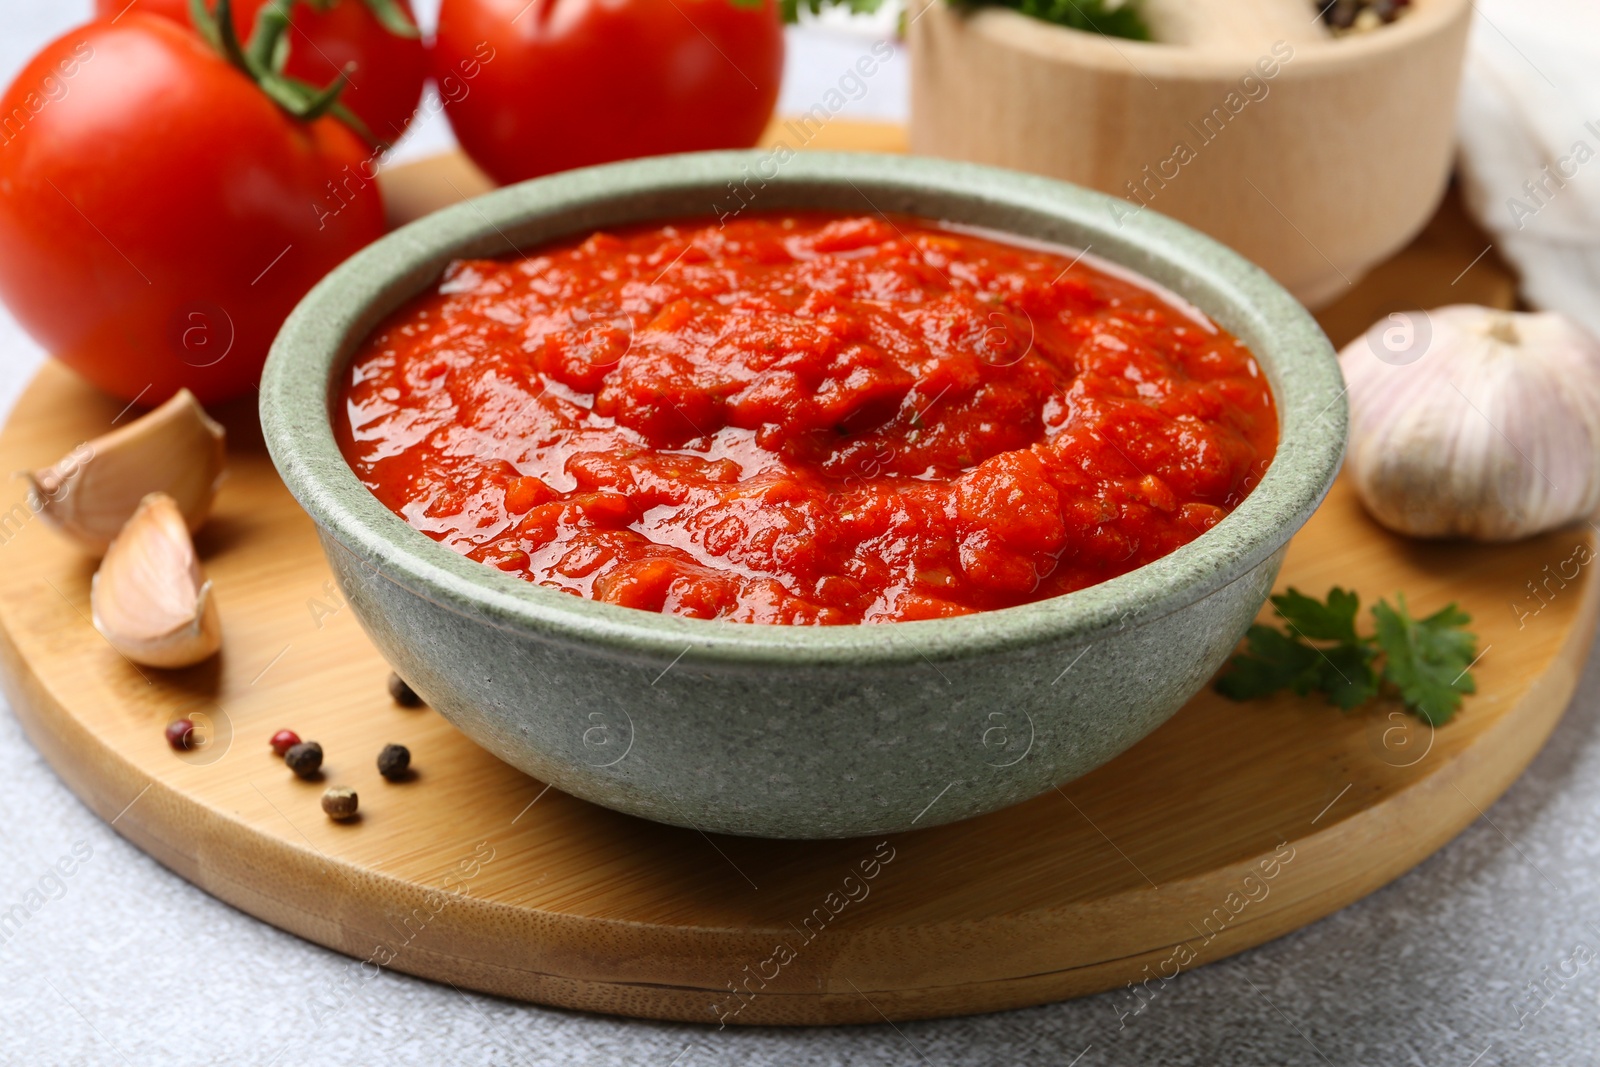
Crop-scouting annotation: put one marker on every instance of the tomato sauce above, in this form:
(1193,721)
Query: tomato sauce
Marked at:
(811,419)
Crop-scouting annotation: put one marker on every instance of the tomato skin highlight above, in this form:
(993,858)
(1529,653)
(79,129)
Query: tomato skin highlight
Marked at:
(389,72)
(805,418)
(160,216)
(570,83)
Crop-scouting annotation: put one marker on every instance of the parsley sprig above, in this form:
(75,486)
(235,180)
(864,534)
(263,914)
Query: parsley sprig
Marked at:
(791,8)
(1111,18)
(1106,17)
(1424,660)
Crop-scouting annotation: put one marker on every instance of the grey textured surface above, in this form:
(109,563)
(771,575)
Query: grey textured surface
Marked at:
(132,965)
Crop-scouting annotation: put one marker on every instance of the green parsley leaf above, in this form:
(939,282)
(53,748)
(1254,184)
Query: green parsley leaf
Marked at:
(1347,675)
(1333,621)
(1427,659)
(1274,660)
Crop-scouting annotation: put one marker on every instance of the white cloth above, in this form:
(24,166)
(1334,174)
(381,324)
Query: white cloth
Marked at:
(1529,122)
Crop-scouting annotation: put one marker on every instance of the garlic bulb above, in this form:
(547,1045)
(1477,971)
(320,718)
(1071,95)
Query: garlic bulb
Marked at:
(177,449)
(149,597)
(1471,422)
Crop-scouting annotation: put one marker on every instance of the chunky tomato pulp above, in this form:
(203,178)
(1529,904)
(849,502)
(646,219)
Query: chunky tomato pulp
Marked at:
(814,418)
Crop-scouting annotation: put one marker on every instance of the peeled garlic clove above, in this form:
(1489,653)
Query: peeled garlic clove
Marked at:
(177,449)
(1472,422)
(149,597)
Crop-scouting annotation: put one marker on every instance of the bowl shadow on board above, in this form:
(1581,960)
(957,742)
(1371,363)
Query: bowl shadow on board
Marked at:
(751,880)
(1439,558)
(223,534)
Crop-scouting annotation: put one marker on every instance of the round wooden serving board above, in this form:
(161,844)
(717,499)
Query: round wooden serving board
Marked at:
(1231,825)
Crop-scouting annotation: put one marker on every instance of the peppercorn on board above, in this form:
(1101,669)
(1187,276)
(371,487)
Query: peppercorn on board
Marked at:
(1230,825)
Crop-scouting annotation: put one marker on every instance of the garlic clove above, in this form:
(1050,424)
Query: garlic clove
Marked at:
(149,597)
(177,449)
(1474,422)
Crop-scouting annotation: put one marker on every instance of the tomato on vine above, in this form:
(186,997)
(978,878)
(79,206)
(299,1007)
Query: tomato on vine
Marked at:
(164,201)
(378,38)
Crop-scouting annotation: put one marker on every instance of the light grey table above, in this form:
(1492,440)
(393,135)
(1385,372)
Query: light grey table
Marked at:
(129,964)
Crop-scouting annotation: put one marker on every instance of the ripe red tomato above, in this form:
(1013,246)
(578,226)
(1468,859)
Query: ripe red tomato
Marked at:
(574,82)
(390,69)
(160,216)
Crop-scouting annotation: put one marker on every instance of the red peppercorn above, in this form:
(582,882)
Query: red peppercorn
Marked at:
(180,734)
(283,741)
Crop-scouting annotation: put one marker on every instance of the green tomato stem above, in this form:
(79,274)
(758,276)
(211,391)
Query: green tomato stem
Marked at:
(263,59)
(392,17)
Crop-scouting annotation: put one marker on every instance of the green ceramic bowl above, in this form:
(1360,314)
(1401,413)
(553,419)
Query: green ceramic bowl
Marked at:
(799,731)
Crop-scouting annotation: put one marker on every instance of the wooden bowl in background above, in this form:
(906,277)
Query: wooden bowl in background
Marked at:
(1316,158)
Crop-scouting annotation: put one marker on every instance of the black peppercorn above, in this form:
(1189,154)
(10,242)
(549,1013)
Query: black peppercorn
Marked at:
(394,762)
(1346,16)
(402,693)
(304,759)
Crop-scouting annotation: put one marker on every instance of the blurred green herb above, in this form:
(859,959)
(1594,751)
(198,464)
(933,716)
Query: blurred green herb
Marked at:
(1112,18)
(791,8)
(1425,661)
(1106,17)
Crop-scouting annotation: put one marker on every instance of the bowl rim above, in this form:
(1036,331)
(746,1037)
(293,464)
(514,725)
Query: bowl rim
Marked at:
(313,347)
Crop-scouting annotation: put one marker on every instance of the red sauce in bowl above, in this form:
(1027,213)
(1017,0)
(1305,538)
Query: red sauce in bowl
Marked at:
(811,418)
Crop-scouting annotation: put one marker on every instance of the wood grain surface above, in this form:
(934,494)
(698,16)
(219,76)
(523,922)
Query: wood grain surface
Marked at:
(1230,825)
